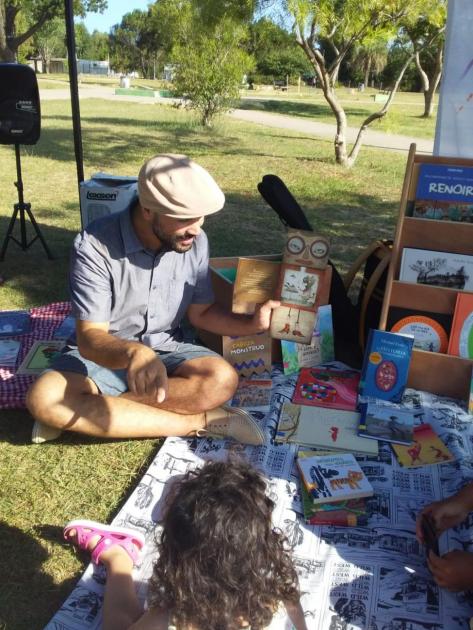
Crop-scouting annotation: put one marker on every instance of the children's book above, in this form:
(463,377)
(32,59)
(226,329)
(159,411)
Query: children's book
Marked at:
(255,283)
(14,323)
(427,448)
(40,357)
(66,328)
(306,249)
(253,393)
(439,269)
(336,477)
(9,349)
(429,329)
(248,355)
(317,427)
(470,399)
(461,337)
(389,422)
(320,350)
(386,365)
(327,387)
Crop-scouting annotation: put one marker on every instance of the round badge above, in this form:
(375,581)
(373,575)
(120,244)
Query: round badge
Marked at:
(465,344)
(386,376)
(428,333)
(375,358)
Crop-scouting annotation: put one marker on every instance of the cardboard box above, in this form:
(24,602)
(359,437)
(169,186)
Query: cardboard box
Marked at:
(223,272)
(105,194)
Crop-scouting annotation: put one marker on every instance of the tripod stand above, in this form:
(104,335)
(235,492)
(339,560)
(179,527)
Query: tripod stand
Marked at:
(22,207)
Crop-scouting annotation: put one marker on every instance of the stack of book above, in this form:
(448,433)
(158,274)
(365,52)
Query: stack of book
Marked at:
(333,489)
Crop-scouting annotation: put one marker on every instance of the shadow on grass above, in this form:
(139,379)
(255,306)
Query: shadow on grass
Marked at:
(28,595)
(295,108)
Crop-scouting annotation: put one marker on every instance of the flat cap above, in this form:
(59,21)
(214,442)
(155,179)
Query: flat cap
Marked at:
(176,186)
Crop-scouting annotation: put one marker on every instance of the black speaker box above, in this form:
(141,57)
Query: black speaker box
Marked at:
(20,115)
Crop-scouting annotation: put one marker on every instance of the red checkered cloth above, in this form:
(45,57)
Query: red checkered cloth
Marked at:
(44,321)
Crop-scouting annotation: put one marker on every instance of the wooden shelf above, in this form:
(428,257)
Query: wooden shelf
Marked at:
(441,374)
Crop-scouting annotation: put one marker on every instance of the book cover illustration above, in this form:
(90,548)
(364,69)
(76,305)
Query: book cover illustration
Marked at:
(443,182)
(253,393)
(320,350)
(427,448)
(335,477)
(40,356)
(461,337)
(430,330)
(386,365)
(439,269)
(443,210)
(306,249)
(248,355)
(9,349)
(301,291)
(66,329)
(14,323)
(327,387)
(387,422)
(255,283)
(317,427)
(470,399)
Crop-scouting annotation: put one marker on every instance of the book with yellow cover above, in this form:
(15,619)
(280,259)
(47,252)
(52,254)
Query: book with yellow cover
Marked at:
(427,448)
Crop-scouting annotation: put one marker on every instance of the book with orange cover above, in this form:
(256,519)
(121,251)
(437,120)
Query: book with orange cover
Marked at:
(427,448)
(461,336)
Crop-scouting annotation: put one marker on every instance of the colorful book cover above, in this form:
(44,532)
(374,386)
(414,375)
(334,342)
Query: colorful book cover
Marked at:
(320,350)
(327,387)
(9,349)
(443,210)
(430,330)
(306,249)
(335,477)
(40,357)
(255,283)
(427,448)
(438,269)
(317,427)
(443,182)
(470,400)
(461,337)
(386,365)
(253,393)
(66,329)
(248,355)
(14,323)
(388,422)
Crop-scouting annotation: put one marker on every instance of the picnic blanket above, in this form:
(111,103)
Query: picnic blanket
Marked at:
(44,321)
(369,578)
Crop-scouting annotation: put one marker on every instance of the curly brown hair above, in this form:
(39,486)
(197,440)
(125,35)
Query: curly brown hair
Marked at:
(220,561)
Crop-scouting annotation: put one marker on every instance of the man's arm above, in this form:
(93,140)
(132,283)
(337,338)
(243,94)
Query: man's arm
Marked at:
(146,374)
(214,318)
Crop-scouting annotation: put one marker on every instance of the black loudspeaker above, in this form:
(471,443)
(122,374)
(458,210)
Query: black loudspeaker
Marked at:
(20,114)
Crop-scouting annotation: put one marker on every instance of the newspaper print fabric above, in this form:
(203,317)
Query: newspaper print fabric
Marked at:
(363,578)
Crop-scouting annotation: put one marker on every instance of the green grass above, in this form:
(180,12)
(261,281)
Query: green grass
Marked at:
(44,486)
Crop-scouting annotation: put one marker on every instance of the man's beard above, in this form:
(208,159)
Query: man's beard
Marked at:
(173,242)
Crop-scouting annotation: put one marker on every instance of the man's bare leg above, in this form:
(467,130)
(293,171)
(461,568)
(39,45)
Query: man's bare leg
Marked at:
(72,402)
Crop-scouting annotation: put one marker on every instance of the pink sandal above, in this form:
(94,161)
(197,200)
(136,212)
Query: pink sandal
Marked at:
(129,539)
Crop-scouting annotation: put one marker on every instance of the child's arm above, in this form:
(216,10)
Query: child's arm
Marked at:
(296,615)
(449,512)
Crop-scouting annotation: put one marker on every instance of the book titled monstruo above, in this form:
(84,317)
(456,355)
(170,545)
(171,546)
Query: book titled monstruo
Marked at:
(336,477)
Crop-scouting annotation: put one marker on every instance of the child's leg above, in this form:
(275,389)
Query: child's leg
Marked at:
(121,607)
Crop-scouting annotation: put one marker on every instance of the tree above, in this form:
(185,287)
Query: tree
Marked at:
(429,59)
(37,13)
(134,43)
(49,41)
(210,67)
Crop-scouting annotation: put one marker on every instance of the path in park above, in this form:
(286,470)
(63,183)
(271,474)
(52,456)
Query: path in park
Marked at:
(372,138)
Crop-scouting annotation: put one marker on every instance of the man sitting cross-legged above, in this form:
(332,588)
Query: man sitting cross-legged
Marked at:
(134,275)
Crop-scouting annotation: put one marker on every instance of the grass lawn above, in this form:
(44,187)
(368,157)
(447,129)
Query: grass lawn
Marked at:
(44,486)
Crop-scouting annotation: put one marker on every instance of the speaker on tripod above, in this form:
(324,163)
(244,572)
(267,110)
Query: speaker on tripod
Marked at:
(20,123)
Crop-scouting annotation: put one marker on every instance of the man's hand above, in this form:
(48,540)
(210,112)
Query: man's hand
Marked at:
(146,374)
(262,316)
(443,514)
(453,571)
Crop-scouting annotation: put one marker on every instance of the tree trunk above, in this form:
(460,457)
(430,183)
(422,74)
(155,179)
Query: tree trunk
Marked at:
(368,70)
(434,81)
(5,53)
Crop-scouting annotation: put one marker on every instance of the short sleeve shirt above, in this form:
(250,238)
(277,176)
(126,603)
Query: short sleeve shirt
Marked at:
(142,294)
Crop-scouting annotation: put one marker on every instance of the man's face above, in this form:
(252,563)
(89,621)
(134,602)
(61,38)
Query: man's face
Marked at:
(176,234)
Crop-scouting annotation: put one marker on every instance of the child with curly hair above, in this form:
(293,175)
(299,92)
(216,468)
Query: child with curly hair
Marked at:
(221,565)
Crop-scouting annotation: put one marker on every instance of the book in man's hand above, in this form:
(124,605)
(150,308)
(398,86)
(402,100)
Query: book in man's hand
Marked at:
(335,477)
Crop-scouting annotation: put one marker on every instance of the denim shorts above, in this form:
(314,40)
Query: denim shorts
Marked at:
(113,382)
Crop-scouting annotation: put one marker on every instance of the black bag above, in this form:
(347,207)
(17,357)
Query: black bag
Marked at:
(344,313)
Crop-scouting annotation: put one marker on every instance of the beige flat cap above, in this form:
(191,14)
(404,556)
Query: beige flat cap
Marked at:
(174,185)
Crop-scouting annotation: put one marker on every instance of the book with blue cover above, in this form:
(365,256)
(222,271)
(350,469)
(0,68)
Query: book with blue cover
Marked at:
(386,365)
(66,329)
(386,421)
(13,323)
